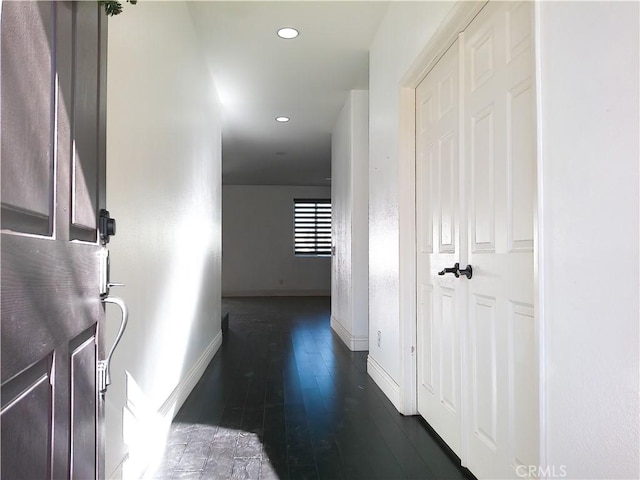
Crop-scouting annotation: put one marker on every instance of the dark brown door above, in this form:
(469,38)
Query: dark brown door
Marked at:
(52,166)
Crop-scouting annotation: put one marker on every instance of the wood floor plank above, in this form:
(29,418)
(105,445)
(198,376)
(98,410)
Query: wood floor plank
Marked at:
(285,399)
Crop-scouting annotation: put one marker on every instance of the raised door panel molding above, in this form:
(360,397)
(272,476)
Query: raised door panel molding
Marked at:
(523,386)
(484,370)
(27,420)
(448,192)
(85,124)
(83,412)
(27,117)
(520,166)
(447,94)
(446,131)
(482,60)
(518,30)
(449,361)
(426,334)
(424,221)
(482,158)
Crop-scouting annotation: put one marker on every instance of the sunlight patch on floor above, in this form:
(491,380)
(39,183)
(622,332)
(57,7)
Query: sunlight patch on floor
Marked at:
(144,431)
(195,450)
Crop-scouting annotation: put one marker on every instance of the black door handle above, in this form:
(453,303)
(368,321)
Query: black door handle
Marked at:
(454,270)
(467,271)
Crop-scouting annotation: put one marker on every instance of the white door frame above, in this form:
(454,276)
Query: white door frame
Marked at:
(454,23)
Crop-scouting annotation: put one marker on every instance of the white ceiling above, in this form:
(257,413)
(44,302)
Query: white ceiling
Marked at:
(260,76)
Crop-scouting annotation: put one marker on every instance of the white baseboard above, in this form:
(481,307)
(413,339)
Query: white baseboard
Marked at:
(277,293)
(177,398)
(355,343)
(386,383)
(117,474)
(151,423)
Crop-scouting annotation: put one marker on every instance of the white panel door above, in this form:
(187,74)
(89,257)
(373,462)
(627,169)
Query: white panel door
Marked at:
(438,240)
(499,152)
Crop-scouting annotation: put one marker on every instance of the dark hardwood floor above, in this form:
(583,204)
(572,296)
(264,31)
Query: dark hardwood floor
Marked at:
(285,399)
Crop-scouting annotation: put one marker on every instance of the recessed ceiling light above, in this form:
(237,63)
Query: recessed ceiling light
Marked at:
(282,119)
(287,33)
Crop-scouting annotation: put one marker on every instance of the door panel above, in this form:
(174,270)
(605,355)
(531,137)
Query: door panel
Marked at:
(484,375)
(50,285)
(482,180)
(85,123)
(448,181)
(27,403)
(437,216)
(83,406)
(424,164)
(520,166)
(522,385)
(27,67)
(448,361)
(425,342)
(500,154)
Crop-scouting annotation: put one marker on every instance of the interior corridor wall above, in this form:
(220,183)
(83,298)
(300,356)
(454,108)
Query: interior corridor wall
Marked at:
(349,193)
(588,77)
(257,242)
(164,190)
(403,32)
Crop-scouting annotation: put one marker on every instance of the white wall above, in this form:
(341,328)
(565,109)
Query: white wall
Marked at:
(588,140)
(403,32)
(164,189)
(349,193)
(257,239)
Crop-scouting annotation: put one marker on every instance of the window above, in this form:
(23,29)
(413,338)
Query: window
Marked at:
(312,227)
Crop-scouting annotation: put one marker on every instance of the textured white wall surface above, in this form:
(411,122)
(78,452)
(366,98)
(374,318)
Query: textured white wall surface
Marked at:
(360,212)
(341,222)
(349,188)
(403,32)
(588,140)
(164,189)
(257,242)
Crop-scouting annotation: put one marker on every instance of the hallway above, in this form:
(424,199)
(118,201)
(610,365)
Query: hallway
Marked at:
(285,399)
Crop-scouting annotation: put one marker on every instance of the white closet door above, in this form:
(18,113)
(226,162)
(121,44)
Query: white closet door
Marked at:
(499,124)
(439,297)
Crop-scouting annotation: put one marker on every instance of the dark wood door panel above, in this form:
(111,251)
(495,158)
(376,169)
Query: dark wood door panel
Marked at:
(65,301)
(84,167)
(27,66)
(26,417)
(49,414)
(83,362)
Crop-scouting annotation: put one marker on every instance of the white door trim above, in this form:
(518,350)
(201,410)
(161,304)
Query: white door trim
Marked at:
(454,23)
(538,246)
